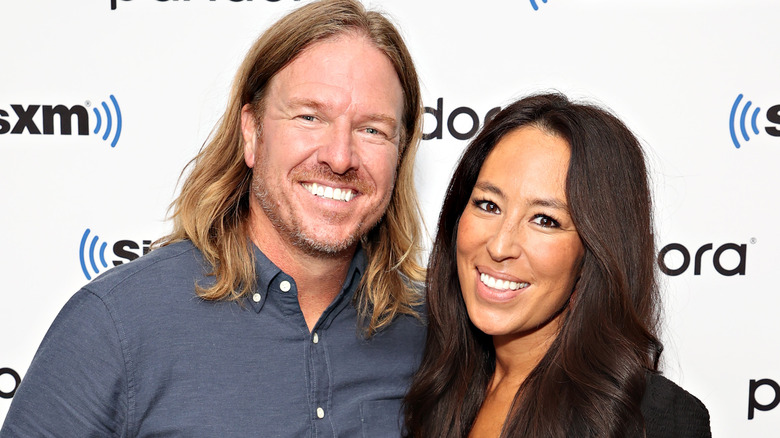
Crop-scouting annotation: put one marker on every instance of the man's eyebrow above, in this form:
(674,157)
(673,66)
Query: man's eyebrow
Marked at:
(383,118)
(318,105)
(306,102)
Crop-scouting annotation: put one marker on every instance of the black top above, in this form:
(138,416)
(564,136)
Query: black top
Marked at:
(672,412)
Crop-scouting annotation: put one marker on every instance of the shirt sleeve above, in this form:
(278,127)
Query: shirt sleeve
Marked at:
(77,383)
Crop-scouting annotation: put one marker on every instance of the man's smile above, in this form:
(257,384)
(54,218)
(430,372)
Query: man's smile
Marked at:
(338,194)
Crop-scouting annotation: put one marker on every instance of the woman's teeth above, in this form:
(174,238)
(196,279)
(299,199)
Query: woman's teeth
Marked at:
(501,284)
(345,195)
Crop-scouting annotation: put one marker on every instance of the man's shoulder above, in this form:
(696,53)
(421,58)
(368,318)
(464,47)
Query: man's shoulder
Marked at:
(177,261)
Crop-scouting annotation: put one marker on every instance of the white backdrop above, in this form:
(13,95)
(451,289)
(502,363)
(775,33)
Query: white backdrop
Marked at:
(673,70)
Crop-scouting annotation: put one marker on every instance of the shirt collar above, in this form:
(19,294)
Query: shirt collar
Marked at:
(267,272)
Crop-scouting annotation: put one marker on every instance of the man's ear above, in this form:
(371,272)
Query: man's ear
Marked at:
(249,131)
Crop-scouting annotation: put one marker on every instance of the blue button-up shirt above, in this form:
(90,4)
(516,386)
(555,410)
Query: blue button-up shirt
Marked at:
(137,353)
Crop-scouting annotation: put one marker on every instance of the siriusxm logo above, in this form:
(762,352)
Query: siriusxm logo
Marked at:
(108,120)
(16,378)
(535,6)
(114,2)
(462,123)
(743,119)
(92,253)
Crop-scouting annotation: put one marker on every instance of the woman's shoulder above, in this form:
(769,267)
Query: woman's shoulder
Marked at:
(671,411)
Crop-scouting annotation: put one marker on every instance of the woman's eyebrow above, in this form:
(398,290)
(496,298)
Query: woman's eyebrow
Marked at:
(549,203)
(488,187)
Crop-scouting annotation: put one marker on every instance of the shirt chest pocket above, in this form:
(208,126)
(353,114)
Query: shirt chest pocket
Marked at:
(381,418)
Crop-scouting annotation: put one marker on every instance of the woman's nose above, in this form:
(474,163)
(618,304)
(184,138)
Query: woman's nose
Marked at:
(506,243)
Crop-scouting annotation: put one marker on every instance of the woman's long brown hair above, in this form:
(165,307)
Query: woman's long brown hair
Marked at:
(591,380)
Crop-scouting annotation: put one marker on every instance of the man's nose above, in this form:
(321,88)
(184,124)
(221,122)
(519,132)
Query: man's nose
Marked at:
(338,149)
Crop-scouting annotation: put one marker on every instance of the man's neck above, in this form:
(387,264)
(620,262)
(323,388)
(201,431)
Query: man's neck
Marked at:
(318,278)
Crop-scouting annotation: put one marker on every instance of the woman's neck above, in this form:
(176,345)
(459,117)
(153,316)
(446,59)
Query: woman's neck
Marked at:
(516,356)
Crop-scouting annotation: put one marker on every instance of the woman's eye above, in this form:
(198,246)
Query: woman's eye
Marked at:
(488,206)
(372,131)
(545,221)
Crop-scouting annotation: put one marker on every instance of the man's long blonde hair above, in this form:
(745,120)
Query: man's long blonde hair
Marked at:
(212,209)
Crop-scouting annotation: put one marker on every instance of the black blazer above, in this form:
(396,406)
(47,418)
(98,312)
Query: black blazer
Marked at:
(672,412)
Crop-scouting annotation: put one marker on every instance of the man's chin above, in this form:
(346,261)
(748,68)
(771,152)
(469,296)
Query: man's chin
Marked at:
(325,247)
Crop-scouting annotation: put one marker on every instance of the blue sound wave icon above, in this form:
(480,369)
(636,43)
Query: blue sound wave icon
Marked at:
(90,253)
(742,121)
(109,121)
(535,6)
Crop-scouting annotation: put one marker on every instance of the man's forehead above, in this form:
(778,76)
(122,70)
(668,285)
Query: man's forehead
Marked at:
(336,54)
(332,69)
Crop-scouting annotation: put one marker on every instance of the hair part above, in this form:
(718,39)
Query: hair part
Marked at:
(592,378)
(212,209)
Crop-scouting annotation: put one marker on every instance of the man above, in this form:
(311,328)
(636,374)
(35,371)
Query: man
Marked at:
(283,303)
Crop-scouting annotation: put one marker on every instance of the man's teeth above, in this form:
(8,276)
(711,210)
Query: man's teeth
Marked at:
(501,284)
(345,195)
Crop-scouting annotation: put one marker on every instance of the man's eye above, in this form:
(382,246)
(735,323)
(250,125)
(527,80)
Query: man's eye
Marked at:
(307,117)
(372,131)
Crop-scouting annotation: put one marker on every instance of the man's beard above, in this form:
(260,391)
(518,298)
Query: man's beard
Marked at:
(292,230)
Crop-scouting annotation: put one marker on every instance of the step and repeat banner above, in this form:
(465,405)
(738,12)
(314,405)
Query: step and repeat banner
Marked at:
(102,104)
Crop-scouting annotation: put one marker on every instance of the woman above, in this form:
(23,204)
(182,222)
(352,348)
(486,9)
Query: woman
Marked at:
(542,296)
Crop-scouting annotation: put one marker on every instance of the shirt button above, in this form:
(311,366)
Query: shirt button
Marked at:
(316,339)
(256,298)
(285,286)
(320,413)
